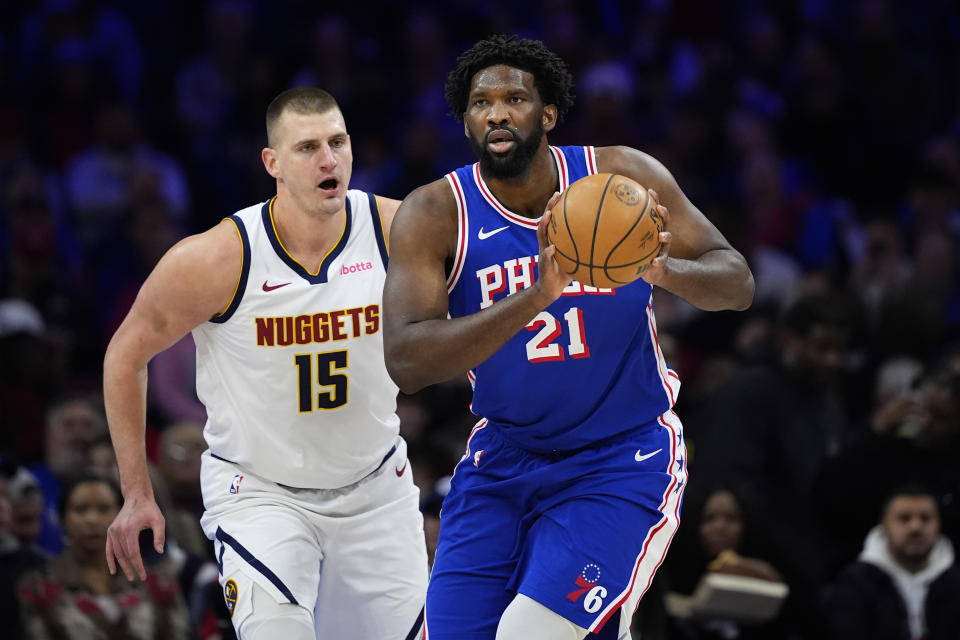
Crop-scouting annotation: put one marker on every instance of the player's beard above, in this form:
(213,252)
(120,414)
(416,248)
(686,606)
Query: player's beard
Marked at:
(512,163)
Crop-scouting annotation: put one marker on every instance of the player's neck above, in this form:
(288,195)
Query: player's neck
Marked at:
(527,194)
(307,236)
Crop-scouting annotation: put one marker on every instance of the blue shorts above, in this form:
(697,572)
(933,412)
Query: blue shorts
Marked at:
(580,533)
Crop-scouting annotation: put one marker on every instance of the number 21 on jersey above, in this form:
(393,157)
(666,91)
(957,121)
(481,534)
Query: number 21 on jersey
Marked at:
(333,386)
(542,346)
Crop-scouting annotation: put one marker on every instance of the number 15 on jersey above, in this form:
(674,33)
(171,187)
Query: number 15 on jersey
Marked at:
(333,386)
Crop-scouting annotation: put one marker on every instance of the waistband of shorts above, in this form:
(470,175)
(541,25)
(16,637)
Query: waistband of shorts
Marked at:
(503,434)
(383,461)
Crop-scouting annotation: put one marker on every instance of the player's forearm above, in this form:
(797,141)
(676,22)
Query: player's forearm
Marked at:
(718,280)
(124,393)
(422,353)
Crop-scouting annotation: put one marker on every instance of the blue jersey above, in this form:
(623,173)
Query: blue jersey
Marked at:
(589,366)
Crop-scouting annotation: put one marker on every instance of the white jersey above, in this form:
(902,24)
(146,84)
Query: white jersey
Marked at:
(292,372)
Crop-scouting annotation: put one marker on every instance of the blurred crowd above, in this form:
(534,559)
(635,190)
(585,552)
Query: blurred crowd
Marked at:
(822,138)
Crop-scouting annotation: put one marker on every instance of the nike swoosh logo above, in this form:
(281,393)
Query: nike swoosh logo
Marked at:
(400,471)
(271,287)
(483,235)
(640,456)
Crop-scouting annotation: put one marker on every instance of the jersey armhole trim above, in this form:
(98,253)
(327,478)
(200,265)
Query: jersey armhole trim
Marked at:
(462,238)
(378,228)
(224,315)
(591,156)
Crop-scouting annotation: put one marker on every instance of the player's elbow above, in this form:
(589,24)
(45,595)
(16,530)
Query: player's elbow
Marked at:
(745,292)
(404,375)
(401,366)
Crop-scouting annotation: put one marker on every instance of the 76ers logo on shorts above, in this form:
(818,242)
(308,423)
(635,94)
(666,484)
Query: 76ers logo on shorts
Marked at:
(230,595)
(586,583)
(235,485)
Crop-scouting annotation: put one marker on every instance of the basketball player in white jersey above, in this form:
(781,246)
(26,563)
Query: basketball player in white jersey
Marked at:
(308,493)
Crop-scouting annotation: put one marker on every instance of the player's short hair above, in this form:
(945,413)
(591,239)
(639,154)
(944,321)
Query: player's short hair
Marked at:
(551,76)
(298,100)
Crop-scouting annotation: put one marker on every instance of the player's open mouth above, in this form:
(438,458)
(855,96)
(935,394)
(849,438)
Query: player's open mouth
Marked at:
(330,184)
(500,140)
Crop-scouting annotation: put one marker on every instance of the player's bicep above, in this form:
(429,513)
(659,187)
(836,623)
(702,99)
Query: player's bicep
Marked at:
(693,234)
(416,287)
(192,282)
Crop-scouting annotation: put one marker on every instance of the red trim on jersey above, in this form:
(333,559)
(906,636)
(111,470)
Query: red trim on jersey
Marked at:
(591,161)
(467,453)
(562,169)
(662,369)
(619,602)
(529,223)
(462,231)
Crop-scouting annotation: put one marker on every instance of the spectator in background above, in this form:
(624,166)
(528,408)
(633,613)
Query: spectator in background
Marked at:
(27,377)
(26,504)
(101,460)
(773,426)
(914,436)
(178,462)
(187,554)
(106,180)
(905,585)
(72,424)
(77,598)
(720,538)
(15,558)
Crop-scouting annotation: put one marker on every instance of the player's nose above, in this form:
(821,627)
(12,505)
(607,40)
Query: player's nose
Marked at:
(498,113)
(326,158)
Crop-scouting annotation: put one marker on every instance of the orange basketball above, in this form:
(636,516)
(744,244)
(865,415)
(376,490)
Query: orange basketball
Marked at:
(606,230)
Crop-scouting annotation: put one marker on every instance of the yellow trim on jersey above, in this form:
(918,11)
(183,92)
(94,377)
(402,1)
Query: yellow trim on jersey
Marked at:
(236,287)
(386,240)
(336,244)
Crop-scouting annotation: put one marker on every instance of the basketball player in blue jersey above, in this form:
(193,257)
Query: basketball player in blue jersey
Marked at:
(308,494)
(569,493)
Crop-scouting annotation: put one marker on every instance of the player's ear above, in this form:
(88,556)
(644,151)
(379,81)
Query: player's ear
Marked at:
(549,117)
(269,158)
(466,129)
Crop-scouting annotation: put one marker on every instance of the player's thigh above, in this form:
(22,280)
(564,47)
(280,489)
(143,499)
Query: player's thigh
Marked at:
(268,544)
(588,557)
(527,619)
(374,578)
(482,527)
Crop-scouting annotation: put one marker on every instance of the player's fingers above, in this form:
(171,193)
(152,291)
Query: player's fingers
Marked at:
(159,535)
(654,195)
(553,200)
(665,239)
(549,254)
(116,552)
(130,544)
(111,563)
(121,556)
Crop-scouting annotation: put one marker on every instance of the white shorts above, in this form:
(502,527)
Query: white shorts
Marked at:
(355,556)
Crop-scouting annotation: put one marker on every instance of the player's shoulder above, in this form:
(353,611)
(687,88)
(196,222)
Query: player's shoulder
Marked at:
(434,200)
(431,206)
(385,205)
(630,162)
(218,248)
